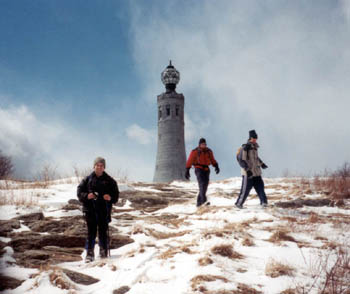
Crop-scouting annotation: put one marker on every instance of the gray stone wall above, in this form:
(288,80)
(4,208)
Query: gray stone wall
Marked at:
(171,154)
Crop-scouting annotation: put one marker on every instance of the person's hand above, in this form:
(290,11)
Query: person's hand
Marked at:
(91,196)
(263,166)
(107,197)
(187,174)
(249,173)
(217,169)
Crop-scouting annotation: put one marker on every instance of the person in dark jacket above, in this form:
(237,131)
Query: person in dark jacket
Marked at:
(201,157)
(97,192)
(251,172)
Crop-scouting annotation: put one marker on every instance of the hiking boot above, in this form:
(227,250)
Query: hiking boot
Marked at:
(90,255)
(264,205)
(239,206)
(103,253)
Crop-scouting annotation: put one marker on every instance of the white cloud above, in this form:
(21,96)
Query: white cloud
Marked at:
(33,142)
(26,139)
(346,8)
(140,135)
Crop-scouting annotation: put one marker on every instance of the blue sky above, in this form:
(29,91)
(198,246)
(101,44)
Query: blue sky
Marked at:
(79,79)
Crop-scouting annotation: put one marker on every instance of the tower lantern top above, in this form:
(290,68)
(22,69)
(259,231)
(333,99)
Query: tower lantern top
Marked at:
(170,76)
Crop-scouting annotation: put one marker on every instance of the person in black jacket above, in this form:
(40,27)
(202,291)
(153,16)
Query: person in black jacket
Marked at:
(97,192)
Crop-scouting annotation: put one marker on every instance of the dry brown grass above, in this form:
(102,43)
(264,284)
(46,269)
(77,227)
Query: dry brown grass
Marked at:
(289,291)
(245,289)
(173,223)
(165,235)
(171,252)
(275,269)
(203,261)
(226,250)
(334,184)
(198,280)
(241,289)
(314,218)
(281,235)
(9,198)
(248,241)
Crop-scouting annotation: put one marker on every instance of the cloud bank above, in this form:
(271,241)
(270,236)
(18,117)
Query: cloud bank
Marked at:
(281,68)
(34,142)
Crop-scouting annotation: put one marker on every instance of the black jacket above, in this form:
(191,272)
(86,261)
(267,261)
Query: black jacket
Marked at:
(102,185)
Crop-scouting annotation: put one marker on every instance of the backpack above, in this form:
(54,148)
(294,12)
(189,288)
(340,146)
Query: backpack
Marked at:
(239,155)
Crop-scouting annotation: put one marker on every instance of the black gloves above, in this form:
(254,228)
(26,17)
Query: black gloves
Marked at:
(249,173)
(263,166)
(187,174)
(217,169)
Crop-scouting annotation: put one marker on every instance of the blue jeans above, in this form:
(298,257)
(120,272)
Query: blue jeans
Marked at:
(247,185)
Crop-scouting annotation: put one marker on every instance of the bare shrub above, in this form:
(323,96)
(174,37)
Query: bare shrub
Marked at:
(46,175)
(10,199)
(6,166)
(330,272)
(226,251)
(335,184)
(289,291)
(81,173)
(275,269)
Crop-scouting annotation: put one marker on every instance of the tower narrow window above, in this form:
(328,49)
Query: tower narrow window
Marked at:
(177,110)
(159,112)
(168,110)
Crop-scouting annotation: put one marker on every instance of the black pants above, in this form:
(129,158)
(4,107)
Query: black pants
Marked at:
(96,219)
(247,185)
(203,182)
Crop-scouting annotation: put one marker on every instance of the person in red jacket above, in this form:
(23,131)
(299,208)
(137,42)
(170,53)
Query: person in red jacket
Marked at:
(201,157)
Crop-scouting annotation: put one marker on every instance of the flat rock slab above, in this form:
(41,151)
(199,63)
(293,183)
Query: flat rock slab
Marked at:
(122,290)
(32,217)
(9,283)
(22,242)
(80,278)
(304,202)
(8,225)
(118,241)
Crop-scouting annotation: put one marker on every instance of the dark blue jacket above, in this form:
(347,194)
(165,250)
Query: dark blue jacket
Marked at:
(100,186)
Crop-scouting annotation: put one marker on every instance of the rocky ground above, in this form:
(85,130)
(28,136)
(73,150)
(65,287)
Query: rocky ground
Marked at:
(160,241)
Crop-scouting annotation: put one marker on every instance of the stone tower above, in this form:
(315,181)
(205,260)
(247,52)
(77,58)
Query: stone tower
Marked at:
(171,154)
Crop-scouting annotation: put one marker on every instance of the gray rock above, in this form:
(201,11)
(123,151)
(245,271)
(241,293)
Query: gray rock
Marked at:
(9,283)
(74,202)
(32,217)
(118,241)
(28,241)
(122,290)
(304,202)
(8,225)
(80,278)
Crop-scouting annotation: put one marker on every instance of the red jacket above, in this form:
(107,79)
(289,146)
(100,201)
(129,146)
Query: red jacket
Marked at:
(201,158)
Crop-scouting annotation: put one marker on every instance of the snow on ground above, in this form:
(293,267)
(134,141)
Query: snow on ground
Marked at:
(206,250)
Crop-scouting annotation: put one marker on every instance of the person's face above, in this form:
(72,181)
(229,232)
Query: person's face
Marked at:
(99,169)
(203,145)
(253,140)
